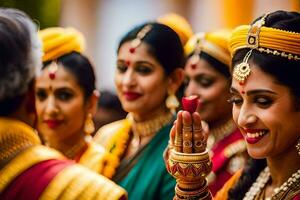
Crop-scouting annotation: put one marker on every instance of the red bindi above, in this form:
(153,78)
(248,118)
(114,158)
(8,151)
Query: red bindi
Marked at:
(52,75)
(127,62)
(132,50)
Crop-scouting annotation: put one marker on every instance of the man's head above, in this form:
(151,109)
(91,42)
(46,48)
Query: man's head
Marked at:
(20,58)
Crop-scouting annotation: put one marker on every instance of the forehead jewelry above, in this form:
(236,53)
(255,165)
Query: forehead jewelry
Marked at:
(52,70)
(242,71)
(138,40)
(196,55)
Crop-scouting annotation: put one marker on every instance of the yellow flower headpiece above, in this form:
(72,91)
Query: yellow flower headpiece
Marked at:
(59,41)
(213,43)
(269,40)
(179,24)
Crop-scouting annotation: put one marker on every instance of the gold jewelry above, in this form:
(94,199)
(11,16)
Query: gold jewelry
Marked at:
(242,71)
(172,103)
(15,136)
(76,149)
(208,43)
(219,133)
(269,40)
(189,169)
(89,126)
(263,178)
(298,146)
(52,69)
(149,127)
(138,40)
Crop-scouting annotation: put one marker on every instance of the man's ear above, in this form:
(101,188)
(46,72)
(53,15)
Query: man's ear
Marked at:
(175,80)
(29,105)
(30,98)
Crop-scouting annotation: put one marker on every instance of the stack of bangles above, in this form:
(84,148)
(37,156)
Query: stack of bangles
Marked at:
(191,167)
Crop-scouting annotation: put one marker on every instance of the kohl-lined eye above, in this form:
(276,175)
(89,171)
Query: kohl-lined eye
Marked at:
(41,94)
(144,70)
(236,100)
(64,95)
(263,101)
(121,68)
(204,81)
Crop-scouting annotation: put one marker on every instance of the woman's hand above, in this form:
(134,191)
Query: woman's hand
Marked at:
(189,134)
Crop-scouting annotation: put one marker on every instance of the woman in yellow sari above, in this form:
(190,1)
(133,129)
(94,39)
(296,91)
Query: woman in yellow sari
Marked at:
(66,98)
(29,170)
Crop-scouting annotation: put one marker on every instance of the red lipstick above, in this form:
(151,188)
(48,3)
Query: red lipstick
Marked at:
(53,123)
(131,96)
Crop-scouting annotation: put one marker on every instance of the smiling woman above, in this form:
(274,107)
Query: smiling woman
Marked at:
(265,94)
(149,73)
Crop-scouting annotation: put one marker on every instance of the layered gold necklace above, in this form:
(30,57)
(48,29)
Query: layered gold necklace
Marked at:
(148,128)
(278,193)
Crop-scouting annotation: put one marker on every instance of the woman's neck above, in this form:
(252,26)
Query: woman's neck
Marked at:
(142,116)
(283,166)
(70,146)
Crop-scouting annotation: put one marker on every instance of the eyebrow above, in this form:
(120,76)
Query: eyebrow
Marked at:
(253,92)
(138,62)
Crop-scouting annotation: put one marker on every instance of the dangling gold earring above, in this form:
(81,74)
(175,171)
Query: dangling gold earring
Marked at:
(298,146)
(89,127)
(172,103)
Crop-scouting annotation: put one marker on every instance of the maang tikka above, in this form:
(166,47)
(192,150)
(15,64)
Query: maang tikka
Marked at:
(196,55)
(138,40)
(52,70)
(242,71)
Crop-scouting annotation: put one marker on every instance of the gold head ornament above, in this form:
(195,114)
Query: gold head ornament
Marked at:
(214,44)
(264,39)
(139,37)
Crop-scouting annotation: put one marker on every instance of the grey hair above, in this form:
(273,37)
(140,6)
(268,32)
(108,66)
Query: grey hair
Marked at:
(20,53)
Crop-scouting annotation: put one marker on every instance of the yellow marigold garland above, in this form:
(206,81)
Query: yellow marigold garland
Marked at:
(116,147)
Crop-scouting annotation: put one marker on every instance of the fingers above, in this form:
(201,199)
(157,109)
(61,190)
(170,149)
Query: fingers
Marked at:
(187,133)
(178,133)
(172,136)
(199,142)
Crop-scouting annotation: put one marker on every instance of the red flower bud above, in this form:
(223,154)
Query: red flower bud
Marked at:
(190,103)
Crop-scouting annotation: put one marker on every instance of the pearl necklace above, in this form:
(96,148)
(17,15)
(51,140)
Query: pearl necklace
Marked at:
(262,180)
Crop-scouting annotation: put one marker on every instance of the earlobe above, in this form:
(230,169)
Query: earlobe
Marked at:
(93,102)
(176,79)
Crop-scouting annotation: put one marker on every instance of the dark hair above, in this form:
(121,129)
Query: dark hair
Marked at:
(81,68)
(20,56)
(250,173)
(164,43)
(285,71)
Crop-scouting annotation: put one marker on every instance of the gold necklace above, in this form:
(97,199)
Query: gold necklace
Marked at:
(262,180)
(219,133)
(148,128)
(15,136)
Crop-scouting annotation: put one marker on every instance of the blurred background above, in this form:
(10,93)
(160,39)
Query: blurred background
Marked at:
(103,22)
